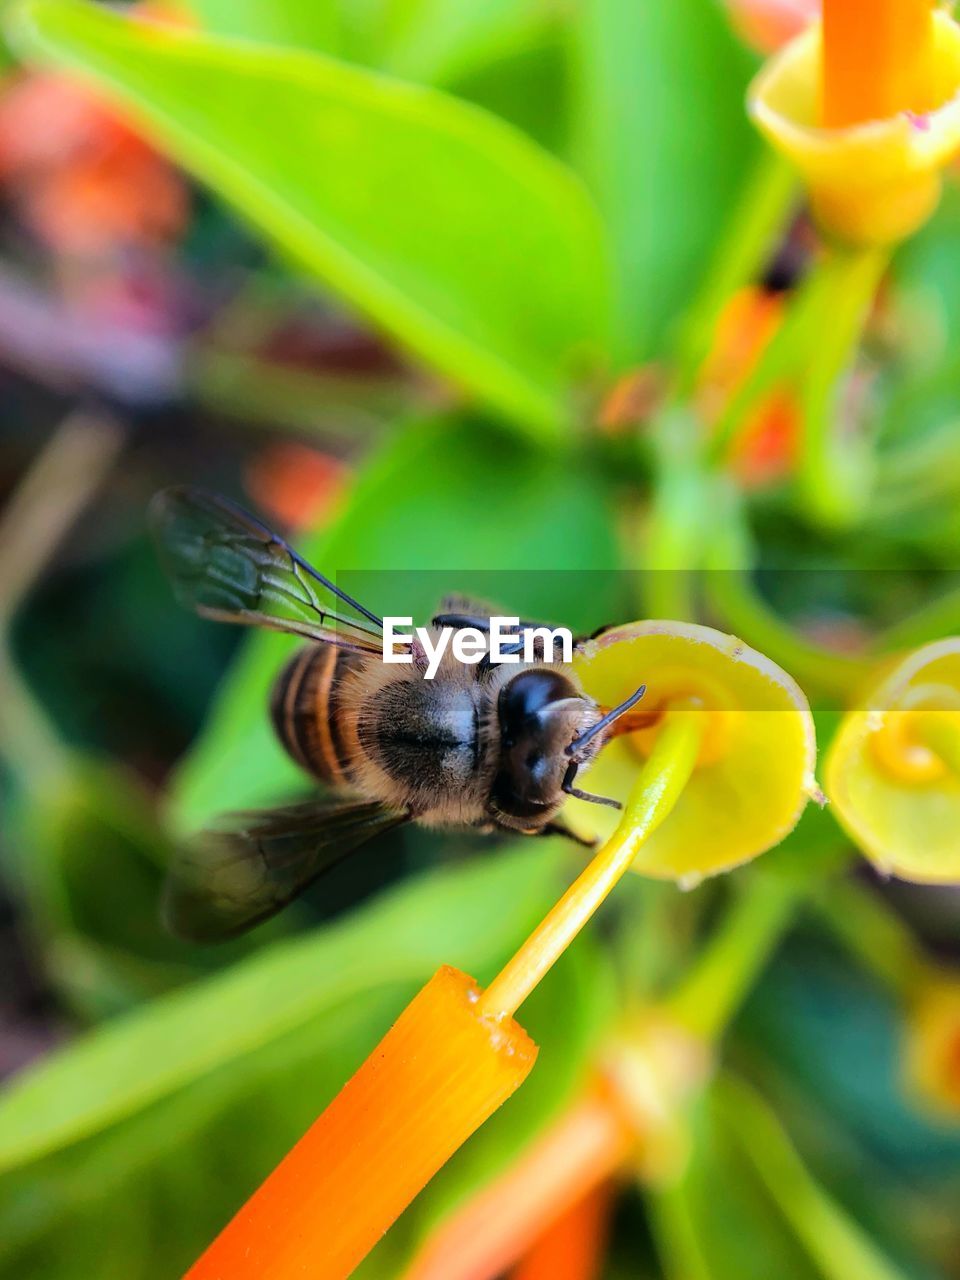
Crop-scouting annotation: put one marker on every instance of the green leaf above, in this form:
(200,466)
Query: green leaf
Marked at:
(834,1242)
(445,506)
(663,138)
(432,41)
(440,40)
(448,228)
(467,916)
(717,1221)
(304,24)
(91,861)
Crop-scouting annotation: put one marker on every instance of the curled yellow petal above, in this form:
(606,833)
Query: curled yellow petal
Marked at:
(893,769)
(754,771)
(874,183)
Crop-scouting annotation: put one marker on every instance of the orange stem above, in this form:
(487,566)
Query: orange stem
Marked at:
(877,59)
(573,1247)
(495,1228)
(436,1076)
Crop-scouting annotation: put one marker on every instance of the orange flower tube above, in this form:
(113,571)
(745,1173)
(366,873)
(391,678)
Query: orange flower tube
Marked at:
(572,1248)
(877,59)
(439,1072)
(493,1229)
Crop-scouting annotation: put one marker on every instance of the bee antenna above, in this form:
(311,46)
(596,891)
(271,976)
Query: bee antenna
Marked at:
(605,721)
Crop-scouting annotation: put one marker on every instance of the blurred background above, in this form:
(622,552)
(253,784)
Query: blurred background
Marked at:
(153,332)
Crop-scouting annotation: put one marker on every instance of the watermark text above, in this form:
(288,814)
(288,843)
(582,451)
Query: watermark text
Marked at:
(505,641)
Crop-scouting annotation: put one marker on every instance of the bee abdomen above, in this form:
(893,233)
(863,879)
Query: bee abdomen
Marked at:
(306,711)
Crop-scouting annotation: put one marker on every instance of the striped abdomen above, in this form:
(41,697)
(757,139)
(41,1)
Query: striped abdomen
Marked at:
(306,711)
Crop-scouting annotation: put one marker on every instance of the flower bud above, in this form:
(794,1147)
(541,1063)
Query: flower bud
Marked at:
(870,184)
(932,1058)
(893,769)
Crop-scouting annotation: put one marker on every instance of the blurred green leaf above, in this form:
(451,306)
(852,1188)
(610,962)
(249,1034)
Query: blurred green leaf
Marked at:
(451,497)
(90,862)
(472,246)
(837,1245)
(186,1147)
(838,1038)
(465,916)
(663,138)
(530,88)
(304,24)
(441,40)
(432,41)
(717,1221)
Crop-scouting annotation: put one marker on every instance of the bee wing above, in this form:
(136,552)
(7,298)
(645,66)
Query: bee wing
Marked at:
(226,565)
(253,863)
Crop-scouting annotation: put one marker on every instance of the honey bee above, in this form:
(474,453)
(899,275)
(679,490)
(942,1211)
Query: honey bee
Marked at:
(491,746)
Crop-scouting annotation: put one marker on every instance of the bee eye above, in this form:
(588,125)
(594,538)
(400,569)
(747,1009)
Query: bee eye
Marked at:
(529,693)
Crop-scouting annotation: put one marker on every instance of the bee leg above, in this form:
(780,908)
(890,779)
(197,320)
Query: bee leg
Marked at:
(561,829)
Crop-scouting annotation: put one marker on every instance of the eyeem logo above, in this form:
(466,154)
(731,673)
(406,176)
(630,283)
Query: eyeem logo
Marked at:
(504,642)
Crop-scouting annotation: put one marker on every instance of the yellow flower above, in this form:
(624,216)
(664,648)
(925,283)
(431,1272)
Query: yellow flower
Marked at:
(893,769)
(754,771)
(873,182)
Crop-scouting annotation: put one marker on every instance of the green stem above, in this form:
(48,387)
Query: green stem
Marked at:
(729,590)
(60,482)
(678,518)
(874,935)
(714,987)
(265,393)
(742,254)
(931,621)
(658,788)
(918,474)
(839,1248)
(781,360)
(675,1232)
(732,596)
(811,350)
(835,473)
(29,742)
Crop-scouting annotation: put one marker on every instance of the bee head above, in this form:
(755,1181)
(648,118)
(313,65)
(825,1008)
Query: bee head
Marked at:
(542,714)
